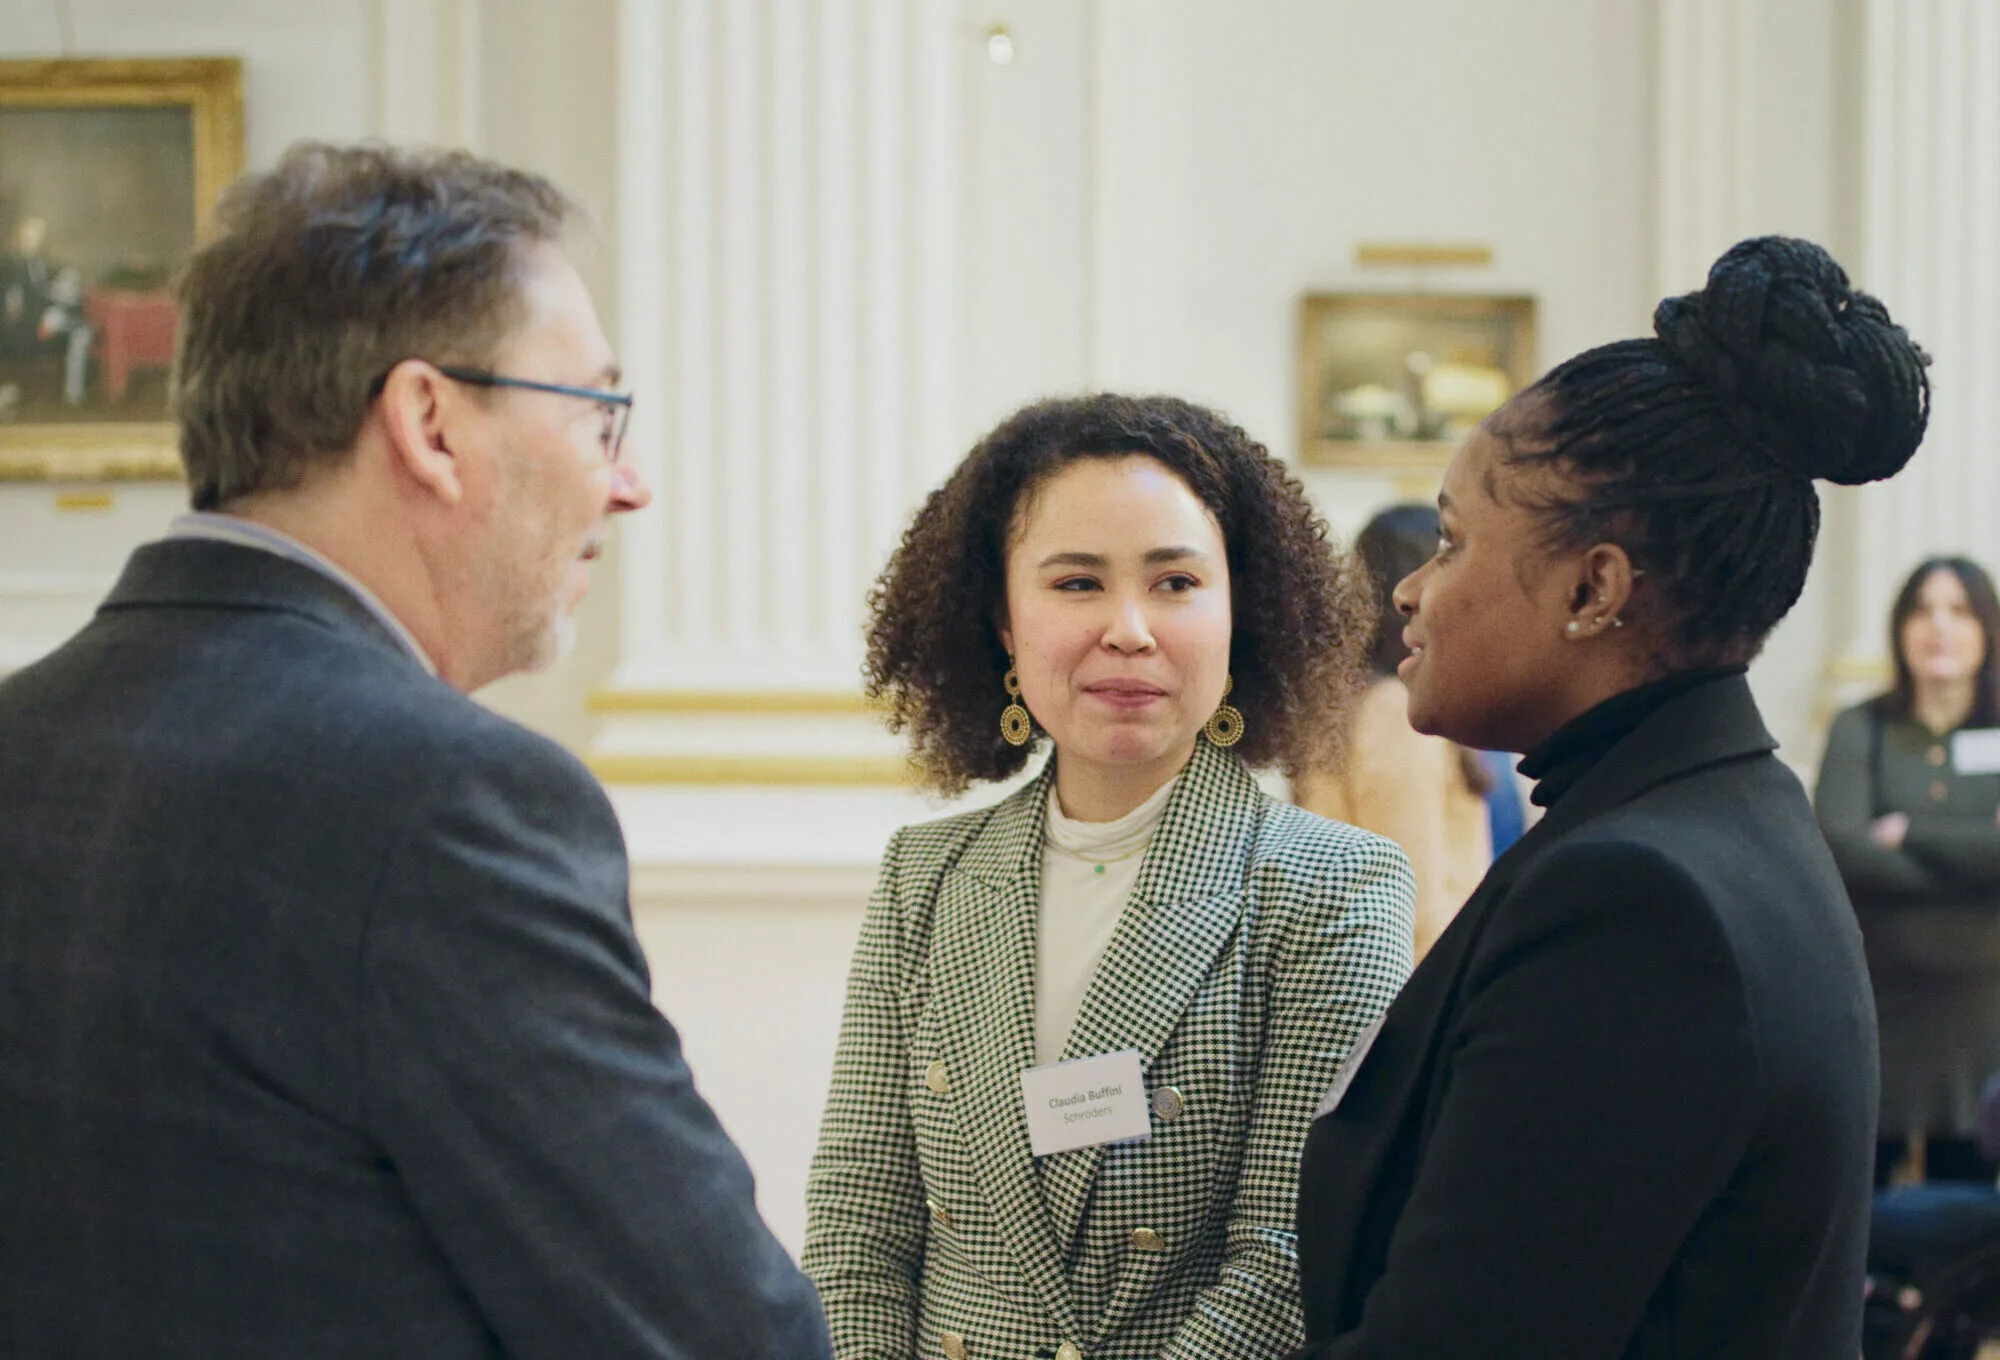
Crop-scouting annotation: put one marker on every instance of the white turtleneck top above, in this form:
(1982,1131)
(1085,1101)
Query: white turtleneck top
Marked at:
(1088,872)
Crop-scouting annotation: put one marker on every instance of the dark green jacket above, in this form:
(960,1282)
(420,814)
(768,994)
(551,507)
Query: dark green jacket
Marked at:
(1929,911)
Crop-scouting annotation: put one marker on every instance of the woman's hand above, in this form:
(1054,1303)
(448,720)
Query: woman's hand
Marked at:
(1888,831)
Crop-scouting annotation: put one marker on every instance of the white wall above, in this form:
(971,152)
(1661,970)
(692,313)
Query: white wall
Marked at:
(1241,161)
(755,988)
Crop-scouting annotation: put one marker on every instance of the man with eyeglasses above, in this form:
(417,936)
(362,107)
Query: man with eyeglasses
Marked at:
(323,1028)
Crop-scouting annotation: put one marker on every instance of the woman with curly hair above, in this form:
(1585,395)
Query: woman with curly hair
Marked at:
(1135,584)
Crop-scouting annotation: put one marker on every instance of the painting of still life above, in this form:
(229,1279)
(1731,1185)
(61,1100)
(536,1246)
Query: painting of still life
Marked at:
(1389,380)
(107,172)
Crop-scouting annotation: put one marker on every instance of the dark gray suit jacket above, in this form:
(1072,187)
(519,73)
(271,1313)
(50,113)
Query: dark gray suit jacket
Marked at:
(323,1027)
(1626,1106)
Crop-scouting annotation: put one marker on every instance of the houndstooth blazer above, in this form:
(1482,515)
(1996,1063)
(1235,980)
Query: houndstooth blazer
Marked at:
(1259,942)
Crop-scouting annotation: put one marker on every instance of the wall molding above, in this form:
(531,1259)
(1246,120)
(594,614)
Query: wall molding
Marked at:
(865,771)
(830,703)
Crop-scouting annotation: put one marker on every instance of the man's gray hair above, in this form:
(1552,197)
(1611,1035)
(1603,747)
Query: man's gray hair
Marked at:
(326,272)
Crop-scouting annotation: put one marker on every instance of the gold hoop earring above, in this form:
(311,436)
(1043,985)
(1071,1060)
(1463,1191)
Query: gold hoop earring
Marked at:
(1224,727)
(1015,724)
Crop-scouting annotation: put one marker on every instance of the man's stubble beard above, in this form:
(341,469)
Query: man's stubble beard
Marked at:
(542,641)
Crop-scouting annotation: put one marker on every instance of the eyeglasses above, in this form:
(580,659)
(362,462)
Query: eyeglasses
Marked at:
(617,406)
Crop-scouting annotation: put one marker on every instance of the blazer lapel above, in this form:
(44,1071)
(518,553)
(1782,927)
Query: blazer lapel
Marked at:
(983,951)
(1186,903)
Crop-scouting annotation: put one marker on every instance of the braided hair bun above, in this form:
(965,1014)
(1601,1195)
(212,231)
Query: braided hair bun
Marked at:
(1811,371)
(1696,448)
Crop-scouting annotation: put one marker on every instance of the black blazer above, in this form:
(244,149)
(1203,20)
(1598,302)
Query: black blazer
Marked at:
(1626,1106)
(323,1028)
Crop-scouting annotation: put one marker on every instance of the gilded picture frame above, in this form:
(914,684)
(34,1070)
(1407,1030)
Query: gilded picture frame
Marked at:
(1394,382)
(109,171)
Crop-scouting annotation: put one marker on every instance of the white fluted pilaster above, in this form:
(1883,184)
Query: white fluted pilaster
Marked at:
(791,273)
(1932,251)
(1707,122)
(798,339)
(837,360)
(644,208)
(428,71)
(790,198)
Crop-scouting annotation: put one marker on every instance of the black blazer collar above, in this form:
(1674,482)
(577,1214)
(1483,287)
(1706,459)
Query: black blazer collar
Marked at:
(205,573)
(1706,725)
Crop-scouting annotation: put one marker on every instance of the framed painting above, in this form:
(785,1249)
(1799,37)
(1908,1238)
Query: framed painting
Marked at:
(108,172)
(1396,381)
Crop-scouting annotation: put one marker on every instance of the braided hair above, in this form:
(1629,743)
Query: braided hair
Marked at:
(1696,450)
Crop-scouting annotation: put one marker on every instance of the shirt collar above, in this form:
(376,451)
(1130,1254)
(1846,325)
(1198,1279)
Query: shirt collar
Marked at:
(245,533)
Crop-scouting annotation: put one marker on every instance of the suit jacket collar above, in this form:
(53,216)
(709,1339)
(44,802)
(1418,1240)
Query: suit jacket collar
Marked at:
(1185,904)
(205,573)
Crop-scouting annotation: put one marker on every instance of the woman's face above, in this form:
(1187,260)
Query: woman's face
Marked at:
(1118,613)
(1490,663)
(1942,641)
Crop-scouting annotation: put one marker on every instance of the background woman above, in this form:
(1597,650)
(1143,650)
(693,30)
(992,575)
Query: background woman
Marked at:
(1137,583)
(1626,1107)
(1910,814)
(1426,794)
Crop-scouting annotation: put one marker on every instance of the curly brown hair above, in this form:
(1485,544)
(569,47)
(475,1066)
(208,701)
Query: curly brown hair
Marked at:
(1302,613)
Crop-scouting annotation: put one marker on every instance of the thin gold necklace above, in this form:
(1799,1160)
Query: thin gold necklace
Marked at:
(1097,865)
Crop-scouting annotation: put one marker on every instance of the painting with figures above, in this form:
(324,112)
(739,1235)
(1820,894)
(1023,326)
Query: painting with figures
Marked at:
(97,207)
(108,170)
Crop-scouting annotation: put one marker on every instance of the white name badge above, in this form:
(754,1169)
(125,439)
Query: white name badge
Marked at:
(1086,1102)
(1976,751)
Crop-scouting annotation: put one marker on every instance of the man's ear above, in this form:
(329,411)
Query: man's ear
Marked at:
(414,408)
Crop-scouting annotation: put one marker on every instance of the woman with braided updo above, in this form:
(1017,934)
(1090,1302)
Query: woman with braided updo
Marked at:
(1626,1106)
(1086,1026)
